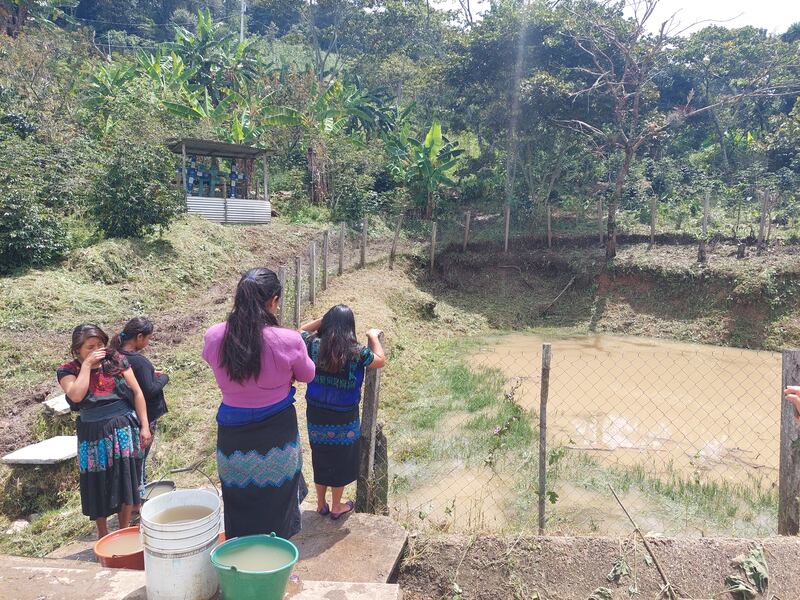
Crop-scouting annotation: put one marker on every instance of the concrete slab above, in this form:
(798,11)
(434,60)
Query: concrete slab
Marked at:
(49,452)
(370,545)
(318,590)
(50,579)
(356,548)
(58,405)
(47,579)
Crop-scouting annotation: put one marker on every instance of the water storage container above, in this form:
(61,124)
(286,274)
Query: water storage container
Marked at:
(111,557)
(177,554)
(262,584)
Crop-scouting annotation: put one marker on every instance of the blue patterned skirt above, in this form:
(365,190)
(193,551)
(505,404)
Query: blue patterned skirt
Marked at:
(335,442)
(110,460)
(260,467)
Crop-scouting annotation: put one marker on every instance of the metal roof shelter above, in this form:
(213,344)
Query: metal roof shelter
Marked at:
(213,148)
(223,209)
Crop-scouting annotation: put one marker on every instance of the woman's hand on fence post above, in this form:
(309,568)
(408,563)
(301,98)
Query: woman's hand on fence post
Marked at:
(792,394)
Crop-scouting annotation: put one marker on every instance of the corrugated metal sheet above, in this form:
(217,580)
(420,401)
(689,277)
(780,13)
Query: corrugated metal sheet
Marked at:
(232,210)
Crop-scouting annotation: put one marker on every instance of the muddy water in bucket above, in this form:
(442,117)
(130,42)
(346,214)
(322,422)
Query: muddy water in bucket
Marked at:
(179,530)
(181,514)
(124,544)
(254,567)
(256,558)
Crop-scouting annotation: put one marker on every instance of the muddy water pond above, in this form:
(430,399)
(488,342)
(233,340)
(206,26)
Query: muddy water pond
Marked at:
(673,405)
(652,417)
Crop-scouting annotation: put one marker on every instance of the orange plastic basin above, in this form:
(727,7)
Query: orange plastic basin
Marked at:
(134,560)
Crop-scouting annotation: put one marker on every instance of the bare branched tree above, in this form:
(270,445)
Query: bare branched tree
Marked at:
(624,60)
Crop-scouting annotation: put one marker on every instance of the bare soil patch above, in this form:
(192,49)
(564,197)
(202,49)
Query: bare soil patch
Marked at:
(572,568)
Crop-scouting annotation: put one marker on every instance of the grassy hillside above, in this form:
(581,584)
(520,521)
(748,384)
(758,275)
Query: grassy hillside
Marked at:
(184,282)
(661,292)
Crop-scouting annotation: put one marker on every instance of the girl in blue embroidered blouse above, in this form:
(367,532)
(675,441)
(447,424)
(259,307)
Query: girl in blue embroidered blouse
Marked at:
(334,427)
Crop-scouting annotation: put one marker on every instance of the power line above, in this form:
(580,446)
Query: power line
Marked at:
(132,47)
(143,24)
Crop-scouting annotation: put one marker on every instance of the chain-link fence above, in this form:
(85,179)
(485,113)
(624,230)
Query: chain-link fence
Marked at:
(687,436)
(332,253)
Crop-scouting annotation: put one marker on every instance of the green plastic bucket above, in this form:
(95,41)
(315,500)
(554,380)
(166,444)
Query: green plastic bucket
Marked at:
(236,584)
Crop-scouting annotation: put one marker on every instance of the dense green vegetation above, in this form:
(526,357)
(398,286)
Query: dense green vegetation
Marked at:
(389,106)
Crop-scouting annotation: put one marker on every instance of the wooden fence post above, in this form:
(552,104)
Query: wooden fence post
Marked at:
(325,243)
(762,228)
(653,216)
(549,226)
(282,301)
(380,476)
(701,251)
(508,226)
(312,272)
(393,252)
(545,392)
(467,219)
(183,170)
(369,421)
(789,469)
(433,246)
(600,220)
(298,285)
(364,226)
(266,179)
(342,234)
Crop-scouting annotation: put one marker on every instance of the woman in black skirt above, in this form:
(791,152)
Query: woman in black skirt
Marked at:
(334,428)
(255,363)
(135,337)
(112,428)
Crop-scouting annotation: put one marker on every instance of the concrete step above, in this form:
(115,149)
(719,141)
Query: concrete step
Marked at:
(356,548)
(52,579)
(49,452)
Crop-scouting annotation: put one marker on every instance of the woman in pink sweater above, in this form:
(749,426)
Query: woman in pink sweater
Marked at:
(255,363)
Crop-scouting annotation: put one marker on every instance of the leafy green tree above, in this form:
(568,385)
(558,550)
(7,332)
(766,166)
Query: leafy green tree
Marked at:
(135,195)
(16,14)
(30,234)
(426,165)
(337,109)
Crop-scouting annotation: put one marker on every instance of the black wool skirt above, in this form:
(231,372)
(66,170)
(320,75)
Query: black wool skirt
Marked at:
(110,460)
(260,467)
(335,442)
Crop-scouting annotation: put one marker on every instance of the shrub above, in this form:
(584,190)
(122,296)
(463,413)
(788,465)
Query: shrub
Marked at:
(29,233)
(135,194)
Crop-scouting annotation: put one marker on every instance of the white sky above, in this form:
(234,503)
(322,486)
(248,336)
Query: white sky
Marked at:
(773,15)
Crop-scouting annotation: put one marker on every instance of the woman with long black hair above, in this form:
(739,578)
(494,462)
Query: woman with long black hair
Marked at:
(113,427)
(135,337)
(334,428)
(255,363)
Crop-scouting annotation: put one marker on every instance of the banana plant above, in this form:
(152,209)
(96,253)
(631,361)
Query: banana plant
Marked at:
(106,83)
(200,107)
(164,72)
(215,60)
(425,165)
(336,109)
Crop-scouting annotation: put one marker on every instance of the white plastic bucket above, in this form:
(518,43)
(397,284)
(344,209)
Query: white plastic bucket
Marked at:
(177,556)
(179,541)
(180,498)
(181,576)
